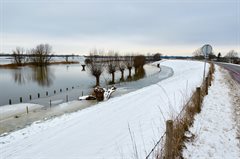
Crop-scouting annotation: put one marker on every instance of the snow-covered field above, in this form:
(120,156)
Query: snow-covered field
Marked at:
(110,129)
(215,127)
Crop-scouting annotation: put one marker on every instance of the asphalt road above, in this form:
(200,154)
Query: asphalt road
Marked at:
(234,70)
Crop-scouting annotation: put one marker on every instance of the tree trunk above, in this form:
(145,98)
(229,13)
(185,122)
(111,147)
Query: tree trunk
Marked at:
(136,70)
(129,70)
(97,80)
(122,75)
(113,78)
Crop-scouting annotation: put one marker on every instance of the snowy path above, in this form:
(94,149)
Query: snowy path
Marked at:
(215,127)
(105,130)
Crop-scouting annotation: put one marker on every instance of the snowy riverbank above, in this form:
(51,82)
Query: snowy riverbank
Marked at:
(110,129)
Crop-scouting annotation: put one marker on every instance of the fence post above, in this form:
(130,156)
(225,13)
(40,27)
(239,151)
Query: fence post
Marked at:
(169,140)
(82,93)
(198,99)
(50,103)
(60,90)
(38,95)
(66,98)
(54,91)
(66,89)
(30,97)
(27,109)
(10,102)
(20,99)
(206,85)
(47,93)
(210,78)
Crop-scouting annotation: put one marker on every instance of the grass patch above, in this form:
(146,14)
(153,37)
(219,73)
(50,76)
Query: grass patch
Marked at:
(14,65)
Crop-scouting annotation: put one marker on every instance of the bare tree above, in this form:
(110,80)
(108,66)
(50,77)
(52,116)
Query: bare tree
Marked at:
(41,55)
(121,67)
(112,64)
(96,64)
(157,57)
(232,56)
(139,62)
(129,63)
(18,56)
(198,54)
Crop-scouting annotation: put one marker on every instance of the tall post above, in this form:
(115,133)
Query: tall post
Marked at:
(198,99)
(206,85)
(210,78)
(83,67)
(169,140)
(27,109)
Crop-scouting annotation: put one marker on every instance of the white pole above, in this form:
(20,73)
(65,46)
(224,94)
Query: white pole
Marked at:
(204,69)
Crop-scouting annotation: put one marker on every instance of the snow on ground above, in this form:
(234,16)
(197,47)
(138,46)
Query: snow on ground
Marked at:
(215,127)
(10,110)
(110,129)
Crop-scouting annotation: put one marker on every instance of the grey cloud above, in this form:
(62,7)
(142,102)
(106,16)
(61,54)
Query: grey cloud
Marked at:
(143,22)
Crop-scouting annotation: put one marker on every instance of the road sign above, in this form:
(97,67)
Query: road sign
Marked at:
(207,49)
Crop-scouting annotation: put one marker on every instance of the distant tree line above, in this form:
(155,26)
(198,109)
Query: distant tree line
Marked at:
(231,57)
(39,56)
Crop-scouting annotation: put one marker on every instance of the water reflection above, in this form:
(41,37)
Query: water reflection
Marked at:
(139,73)
(19,77)
(43,76)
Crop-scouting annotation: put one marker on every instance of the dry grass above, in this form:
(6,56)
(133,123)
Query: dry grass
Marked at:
(185,119)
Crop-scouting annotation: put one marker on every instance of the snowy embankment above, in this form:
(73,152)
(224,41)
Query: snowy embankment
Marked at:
(123,127)
(215,128)
(16,109)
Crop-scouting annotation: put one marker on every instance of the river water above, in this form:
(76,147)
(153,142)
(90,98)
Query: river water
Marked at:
(23,81)
(53,80)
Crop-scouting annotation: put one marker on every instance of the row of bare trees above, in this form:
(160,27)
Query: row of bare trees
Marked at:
(97,61)
(232,57)
(40,55)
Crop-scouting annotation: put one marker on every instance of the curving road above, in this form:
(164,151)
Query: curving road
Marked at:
(233,69)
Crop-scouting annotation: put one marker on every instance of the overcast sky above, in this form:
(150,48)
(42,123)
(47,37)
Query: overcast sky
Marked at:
(77,26)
